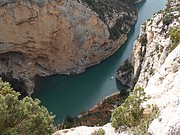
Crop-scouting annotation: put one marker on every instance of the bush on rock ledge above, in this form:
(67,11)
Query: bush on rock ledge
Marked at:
(131,114)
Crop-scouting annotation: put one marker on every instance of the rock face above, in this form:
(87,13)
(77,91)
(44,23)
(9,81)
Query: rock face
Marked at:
(58,37)
(156,67)
(164,89)
(152,46)
(124,73)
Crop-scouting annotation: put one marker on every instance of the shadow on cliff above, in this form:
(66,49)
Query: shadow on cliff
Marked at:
(122,88)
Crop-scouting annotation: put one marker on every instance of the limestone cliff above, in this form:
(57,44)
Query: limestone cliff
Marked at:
(151,47)
(60,36)
(155,65)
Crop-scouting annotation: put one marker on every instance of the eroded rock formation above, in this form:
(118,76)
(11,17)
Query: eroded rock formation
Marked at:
(59,36)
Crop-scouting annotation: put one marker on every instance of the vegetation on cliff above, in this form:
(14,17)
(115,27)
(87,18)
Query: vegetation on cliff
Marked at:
(170,14)
(155,62)
(121,11)
(22,117)
(99,132)
(175,37)
(131,113)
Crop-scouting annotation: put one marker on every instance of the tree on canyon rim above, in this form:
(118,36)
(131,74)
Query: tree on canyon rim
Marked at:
(23,116)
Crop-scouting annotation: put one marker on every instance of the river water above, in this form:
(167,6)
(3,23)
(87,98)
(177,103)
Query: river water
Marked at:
(69,95)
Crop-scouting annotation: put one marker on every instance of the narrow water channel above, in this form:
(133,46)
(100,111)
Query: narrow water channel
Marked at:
(69,95)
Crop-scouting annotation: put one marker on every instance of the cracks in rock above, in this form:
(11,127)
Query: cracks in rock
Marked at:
(28,20)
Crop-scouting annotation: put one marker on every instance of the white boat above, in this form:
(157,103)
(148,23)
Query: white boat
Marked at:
(112,77)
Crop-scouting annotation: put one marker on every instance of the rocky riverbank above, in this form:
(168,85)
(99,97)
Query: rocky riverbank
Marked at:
(60,37)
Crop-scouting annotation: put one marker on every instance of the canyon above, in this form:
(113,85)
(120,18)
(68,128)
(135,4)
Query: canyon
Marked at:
(59,37)
(65,37)
(155,66)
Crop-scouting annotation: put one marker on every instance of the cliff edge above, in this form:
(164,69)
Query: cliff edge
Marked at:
(155,66)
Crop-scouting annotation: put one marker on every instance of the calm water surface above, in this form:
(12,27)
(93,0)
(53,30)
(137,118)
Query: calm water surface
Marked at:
(69,95)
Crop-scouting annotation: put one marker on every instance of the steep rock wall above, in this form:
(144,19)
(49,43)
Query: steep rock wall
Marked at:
(156,67)
(151,47)
(57,37)
(155,43)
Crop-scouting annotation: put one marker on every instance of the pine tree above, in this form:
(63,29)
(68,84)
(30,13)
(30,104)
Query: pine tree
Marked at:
(22,117)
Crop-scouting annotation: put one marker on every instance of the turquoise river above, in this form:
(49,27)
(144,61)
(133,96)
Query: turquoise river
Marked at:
(69,95)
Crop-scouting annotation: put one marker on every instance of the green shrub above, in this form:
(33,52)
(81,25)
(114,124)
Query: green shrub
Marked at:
(168,19)
(130,112)
(131,115)
(175,36)
(22,117)
(142,128)
(99,132)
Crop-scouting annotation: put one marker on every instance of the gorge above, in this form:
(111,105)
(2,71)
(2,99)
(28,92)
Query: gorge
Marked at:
(42,38)
(87,89)
(46,45)
(155,67)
